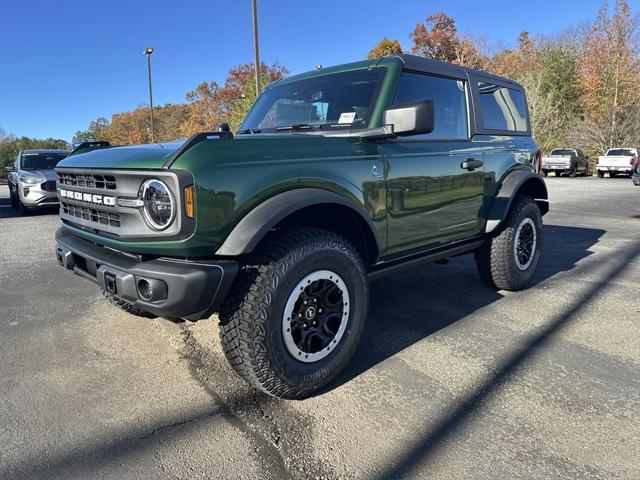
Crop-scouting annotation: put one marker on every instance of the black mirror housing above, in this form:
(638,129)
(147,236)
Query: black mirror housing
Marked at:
(411,118)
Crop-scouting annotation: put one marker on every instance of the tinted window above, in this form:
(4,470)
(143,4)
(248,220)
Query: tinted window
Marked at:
(449,103)
(41,161)
(502,108)
(328,101)
(620,152)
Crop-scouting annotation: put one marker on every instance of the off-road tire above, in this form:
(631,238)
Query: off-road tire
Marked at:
(495,258)
(251,318)
(127,307)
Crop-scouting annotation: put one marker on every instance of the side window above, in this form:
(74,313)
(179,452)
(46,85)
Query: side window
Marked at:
(449,102)
(502,108)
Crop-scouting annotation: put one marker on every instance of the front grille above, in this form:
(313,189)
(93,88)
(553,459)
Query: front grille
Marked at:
(49,186)
(88,180)
(92,214)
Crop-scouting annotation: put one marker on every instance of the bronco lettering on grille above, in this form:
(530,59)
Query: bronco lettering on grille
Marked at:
(88,198)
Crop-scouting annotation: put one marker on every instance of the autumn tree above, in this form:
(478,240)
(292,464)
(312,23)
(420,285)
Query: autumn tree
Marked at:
(438,38)
(98,129)
(132,128)
(607,74)
(385,48)
(211,104)
(203,112)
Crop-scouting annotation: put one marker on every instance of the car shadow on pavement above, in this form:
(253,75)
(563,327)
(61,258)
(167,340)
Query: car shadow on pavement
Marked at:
(460,413)
(6,211)
(408,307)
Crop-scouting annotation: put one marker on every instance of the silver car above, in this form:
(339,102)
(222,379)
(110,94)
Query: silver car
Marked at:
(32,181)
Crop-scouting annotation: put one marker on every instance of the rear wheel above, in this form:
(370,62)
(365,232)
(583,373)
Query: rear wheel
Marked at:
(297,312)
(600,174)
(613,174)
(509,260)
(574,169)
(545,173)
(558,173)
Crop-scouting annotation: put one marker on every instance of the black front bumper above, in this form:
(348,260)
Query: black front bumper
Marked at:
(194,289)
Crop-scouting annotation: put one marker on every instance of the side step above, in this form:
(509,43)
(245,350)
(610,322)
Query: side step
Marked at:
(435,255)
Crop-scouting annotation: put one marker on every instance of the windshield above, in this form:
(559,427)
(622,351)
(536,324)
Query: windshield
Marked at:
(335,100)
(561,152)
(41,161)
(621,152)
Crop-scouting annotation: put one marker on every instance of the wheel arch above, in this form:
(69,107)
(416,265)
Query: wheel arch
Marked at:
(518,182)
(307,206)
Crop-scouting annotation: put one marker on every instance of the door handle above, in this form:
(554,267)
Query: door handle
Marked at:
(470,164)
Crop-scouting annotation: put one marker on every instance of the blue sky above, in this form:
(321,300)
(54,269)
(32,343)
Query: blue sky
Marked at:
(64,63)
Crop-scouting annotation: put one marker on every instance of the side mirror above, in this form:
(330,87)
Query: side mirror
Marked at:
(10,168)
(224,127)
(411,118)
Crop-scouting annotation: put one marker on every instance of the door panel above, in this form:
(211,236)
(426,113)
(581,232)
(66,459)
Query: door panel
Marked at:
(430,199)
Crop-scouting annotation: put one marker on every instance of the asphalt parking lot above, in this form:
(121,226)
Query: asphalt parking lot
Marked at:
(452,379)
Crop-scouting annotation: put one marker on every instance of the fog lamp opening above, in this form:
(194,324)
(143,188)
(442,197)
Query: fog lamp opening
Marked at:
(151,289)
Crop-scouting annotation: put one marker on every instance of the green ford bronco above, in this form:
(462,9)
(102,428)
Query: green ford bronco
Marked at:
(336,177)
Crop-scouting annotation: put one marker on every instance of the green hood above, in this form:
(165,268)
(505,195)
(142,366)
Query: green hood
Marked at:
(134,157)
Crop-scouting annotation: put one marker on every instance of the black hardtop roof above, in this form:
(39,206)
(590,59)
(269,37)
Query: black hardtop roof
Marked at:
(421,64)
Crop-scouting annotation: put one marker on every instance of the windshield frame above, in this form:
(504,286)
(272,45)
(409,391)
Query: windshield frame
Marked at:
(382,77)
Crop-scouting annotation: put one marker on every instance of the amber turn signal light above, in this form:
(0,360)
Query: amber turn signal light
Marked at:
(188,201)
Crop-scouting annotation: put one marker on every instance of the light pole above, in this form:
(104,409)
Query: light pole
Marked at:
(148,53)
(255,46)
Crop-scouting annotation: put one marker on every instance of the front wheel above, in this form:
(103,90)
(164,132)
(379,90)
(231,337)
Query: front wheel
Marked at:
(297,312)
(12,199)
(509,260)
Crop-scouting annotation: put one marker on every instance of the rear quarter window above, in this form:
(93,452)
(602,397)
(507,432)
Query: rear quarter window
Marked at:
(502,108)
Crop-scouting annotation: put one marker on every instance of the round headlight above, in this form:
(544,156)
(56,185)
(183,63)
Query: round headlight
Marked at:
(158,209)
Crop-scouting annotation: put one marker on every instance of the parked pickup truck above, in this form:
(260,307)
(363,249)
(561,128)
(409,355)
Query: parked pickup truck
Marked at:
(336,177)
(617,161)
(565,160)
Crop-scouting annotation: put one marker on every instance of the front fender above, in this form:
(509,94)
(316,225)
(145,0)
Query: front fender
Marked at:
(515,183)
(256,224)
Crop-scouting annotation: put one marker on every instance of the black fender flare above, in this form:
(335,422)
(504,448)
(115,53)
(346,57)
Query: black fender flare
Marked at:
(253,227)
(512,184)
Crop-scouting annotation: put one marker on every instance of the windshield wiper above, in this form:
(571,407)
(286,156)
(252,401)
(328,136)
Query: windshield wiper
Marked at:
(248,130)
(297,126)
